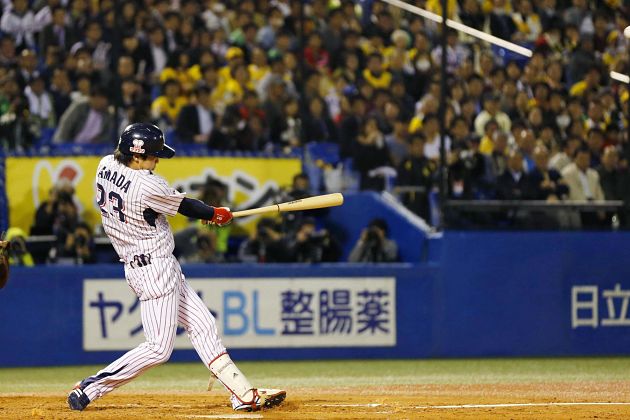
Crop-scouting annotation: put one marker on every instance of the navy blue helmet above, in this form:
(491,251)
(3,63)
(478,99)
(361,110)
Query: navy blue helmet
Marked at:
(144,139)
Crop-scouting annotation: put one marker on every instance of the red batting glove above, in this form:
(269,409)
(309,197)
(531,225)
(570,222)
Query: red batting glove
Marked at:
(222,217)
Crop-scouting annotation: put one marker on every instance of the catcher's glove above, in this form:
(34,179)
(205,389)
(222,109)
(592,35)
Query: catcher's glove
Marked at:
(4,263)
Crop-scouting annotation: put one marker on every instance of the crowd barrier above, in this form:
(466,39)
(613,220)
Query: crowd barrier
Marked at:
(484,294)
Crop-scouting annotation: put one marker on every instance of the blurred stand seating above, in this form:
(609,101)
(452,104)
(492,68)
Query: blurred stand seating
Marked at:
(530,214)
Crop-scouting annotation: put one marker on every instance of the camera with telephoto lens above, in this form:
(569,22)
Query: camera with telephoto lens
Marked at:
(318,237)
(204,242)
(372,236)
(80,240)
(261,231)
(17,246)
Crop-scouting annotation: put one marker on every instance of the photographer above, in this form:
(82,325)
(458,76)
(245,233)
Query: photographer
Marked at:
(299,189)
(309,245)
(373,245)
(78,247)
(47,215)
(18,252)
(266,244)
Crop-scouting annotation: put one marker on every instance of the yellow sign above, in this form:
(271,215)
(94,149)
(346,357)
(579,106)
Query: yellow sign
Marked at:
(251,181)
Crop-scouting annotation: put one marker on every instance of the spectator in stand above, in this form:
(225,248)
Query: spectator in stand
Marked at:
(78,248)
(60,91)
(455,52)
(527,22)
(315,56)
(27,67)
(472,15)
(487,141)
(595,116)
(40,105)
(309,245)
(547,183)
(273,108)
(375,74)
(265,244)
(431,133)
(490,111)
(514,184)
(159,54)
(93,41)
(416,172)
(180,68)
(87,122)
(498,157)
(195,123)
(371,156)
(318,126)
(18,21)
(166,107)
(398,142)
(595,142)
(291,134)
(615,181)
(526,142)
(16,130)
(58,32)
(373,245)
(125,70)
(501,23)
(589,84)
(18,251)
(583,181)
(584,185)
(245,122)
(46,213)
(565,155)
(7,52)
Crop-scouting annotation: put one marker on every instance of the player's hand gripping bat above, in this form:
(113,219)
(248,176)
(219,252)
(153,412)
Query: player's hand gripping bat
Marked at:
(316,202)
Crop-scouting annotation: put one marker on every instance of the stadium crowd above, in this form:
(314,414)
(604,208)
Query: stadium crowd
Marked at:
(279,74)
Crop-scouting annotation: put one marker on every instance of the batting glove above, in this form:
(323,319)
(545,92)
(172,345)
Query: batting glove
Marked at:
(222,217)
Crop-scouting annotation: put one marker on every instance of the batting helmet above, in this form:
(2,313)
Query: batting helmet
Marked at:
(144,139)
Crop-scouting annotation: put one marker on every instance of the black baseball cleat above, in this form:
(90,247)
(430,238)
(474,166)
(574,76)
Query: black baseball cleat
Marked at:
(77,399)
(263,398)
(271,397)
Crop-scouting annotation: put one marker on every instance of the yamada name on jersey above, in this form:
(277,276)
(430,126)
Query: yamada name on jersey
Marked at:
(115,178)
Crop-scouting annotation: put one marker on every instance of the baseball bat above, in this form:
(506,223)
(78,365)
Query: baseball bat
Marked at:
(316,202)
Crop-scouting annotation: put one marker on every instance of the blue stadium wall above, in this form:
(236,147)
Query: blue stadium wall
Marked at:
(485,294)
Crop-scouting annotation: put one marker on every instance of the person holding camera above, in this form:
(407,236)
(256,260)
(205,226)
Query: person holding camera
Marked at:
(374,245)
(203,244)
(308,245)
(17,251)
(78,247)
(266,244)
(48,216)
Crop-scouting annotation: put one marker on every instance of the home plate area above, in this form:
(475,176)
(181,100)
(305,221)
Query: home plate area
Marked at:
(518,400)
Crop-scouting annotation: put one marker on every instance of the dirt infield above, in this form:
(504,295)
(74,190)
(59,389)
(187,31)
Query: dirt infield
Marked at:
(601,400)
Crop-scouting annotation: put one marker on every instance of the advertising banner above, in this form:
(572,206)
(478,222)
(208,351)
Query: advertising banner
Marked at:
(257,312)
(250,181)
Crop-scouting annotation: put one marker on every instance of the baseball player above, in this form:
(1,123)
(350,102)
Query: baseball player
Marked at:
(134,203)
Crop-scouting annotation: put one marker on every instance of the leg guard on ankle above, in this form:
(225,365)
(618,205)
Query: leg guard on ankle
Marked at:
(232,378)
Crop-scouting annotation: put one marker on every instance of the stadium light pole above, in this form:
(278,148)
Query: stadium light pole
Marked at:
(626,34)
(443,176)
(625,78)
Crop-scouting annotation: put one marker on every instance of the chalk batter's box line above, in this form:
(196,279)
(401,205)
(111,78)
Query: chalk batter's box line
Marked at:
(464,406)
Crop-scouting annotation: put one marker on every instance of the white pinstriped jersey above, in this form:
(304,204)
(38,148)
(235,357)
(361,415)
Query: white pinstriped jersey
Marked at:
(133,206)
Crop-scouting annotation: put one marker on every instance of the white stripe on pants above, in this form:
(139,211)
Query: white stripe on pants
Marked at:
(159,320)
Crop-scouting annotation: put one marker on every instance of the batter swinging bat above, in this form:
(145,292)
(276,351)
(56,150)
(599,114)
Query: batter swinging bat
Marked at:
(317,202)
